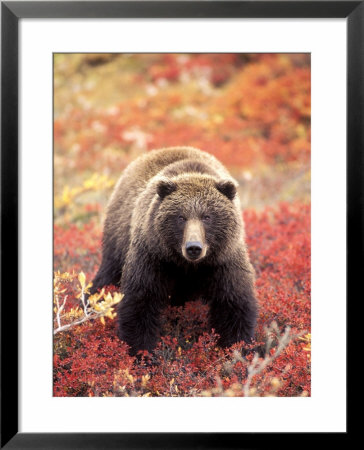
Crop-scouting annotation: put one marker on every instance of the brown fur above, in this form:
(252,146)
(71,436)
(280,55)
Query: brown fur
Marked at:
(160,201)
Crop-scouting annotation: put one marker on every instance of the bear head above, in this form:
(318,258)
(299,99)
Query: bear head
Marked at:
(197,216)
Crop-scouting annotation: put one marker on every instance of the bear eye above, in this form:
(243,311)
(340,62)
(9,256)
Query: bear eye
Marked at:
(206,218)
(181,219)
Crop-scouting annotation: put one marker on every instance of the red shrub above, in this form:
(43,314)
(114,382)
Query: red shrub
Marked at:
(90,360)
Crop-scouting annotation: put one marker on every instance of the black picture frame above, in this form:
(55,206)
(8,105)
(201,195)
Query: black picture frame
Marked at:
(11,12)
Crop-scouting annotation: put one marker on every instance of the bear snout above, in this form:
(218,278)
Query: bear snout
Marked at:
(194,246)
(194,249)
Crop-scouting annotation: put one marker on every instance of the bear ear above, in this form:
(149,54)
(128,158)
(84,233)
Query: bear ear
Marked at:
(165,187)
(227,188)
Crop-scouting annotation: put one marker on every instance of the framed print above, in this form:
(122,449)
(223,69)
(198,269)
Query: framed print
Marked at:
(181,221)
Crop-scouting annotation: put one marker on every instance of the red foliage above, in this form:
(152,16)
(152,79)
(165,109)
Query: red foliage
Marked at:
(90,360)
(218,68)
(77,248)
(280,246)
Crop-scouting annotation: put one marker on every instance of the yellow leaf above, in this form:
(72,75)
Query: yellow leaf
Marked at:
(145,379)
(275,382)
(102,320)
(110,314)
(82,279)
(108,297)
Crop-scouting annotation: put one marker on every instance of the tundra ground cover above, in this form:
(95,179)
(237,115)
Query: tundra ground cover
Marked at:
(253,113)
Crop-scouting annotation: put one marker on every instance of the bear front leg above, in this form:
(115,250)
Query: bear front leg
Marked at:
(233,307)
(139,311)
(139,320)
(109,273)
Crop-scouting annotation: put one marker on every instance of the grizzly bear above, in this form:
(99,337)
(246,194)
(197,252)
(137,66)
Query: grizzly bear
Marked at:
(174,233)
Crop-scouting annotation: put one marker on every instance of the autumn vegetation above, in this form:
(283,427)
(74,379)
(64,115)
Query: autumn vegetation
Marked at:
(253,113)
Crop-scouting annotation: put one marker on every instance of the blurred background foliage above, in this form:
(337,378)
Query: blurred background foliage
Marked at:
(252,111)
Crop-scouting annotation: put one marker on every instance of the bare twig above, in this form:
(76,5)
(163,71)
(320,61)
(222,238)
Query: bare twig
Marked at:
(77,322)
(257,366)
(96,306)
